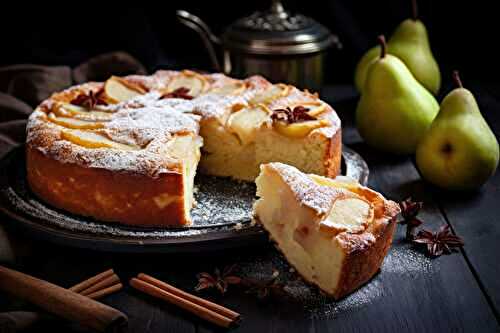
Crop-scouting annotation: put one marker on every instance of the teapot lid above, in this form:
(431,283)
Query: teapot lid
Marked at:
(276,31)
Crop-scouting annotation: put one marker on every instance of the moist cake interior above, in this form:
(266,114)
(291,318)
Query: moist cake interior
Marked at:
(314,221)
(186,148)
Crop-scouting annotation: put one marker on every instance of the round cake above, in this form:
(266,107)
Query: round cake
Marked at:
(127,150)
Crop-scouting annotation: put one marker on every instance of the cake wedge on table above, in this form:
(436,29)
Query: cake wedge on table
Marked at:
(334,232)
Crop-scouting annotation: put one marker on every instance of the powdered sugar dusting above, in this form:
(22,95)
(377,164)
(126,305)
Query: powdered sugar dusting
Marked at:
(309,193)
(150,122)
(136,102)
(304,295)
(146,161)
(141,126)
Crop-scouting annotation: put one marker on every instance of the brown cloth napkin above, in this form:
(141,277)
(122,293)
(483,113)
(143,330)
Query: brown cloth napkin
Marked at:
(23,87)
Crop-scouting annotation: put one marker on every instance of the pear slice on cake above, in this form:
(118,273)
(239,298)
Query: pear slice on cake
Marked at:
(270,94)
(194,82)
(315,108)
(300,129)
(299,119)
(118,90)
(74,123)
(246,122)
(75,111)
(232,88)
(349,214)
(89,139)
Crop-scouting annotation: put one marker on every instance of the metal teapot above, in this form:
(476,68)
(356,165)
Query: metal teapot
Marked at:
(282,47)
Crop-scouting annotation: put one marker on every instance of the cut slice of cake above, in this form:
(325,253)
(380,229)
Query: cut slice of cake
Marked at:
(335,232)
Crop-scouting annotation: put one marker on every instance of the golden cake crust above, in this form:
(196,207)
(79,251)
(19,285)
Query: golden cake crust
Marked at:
(150,124)
(365,256)
(333,155)
(132,199)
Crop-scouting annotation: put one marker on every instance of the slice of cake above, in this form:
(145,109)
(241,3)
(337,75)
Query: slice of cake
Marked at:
(335,232)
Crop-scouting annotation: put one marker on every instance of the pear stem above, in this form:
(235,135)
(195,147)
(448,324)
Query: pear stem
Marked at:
(456,78)
(383,45)
(414,9)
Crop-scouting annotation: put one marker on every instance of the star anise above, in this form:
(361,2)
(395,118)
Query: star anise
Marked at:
(442,241)
(89,100)
(181,92)
(271,287)
(290,116)
(219,280)
(409,211)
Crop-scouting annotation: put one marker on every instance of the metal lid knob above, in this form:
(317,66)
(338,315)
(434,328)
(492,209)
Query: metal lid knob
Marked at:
(277,31)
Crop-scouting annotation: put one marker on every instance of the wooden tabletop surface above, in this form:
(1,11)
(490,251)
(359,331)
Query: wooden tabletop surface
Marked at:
(413,293)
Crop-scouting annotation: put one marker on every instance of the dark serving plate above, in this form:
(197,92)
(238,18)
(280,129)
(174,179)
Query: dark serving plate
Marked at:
(221,218)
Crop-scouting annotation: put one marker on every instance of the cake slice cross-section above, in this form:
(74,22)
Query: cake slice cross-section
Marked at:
(334,232)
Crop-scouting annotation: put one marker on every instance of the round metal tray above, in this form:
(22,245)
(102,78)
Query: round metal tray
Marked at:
(221,218)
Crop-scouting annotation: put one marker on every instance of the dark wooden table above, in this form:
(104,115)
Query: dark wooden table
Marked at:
(413,293)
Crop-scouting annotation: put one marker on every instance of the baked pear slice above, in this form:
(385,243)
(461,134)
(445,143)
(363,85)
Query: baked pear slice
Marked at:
(270,94)
(90,139)
(335,234)
(232,88)
(196,83)
(74,123)
(299,129)
(351,214)
(117,89)
(314,108)
(74,111)
(246,122)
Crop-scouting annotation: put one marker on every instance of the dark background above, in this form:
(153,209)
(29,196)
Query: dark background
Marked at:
(458,293)
(464,34)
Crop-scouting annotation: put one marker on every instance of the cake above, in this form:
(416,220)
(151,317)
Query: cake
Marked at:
(127,150)
(335,232)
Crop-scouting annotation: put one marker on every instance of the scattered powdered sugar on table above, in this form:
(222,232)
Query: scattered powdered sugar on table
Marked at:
(401,262)
(404,260)
(302,294)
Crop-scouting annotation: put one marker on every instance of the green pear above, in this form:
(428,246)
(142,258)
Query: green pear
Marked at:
(410,43)
(395,110)
(459,151)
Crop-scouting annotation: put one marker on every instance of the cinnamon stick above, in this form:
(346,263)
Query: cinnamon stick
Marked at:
(192,298)
(89,282)
(106,291)
(62,302)
(113,279)
(185,304)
